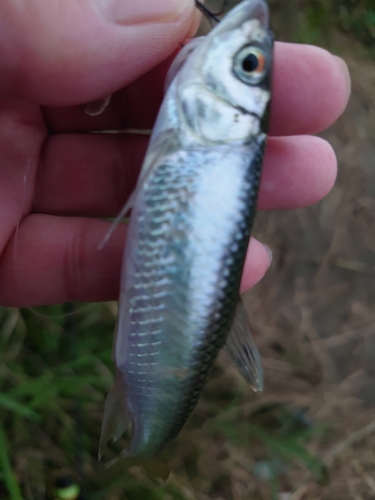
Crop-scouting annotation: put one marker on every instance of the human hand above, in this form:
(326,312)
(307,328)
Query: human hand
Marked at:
(57,180)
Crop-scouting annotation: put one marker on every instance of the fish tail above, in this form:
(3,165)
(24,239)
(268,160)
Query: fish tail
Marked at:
(115,420)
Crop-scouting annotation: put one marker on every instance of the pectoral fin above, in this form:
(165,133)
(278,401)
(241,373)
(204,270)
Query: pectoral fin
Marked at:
(161,148)
(115,420)
(242,350)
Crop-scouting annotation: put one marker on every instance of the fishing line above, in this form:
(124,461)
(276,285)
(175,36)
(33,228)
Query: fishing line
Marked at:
(22,206)
(19,218)
(23,200)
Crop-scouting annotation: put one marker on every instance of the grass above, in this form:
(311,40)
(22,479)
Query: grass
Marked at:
(8,475)
(55,371)
(317,21)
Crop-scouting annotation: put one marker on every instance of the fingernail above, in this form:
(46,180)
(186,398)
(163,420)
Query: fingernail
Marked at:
(345,72)
(270,255)
(144,11)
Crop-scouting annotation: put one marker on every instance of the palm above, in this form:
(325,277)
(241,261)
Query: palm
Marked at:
(57,179)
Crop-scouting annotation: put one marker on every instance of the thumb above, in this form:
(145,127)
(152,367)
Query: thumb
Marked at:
(65,52)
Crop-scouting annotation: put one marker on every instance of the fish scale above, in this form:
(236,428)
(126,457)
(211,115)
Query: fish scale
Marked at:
(210,332)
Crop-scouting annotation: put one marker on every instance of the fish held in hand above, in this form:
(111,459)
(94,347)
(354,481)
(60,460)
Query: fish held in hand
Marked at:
(192,213)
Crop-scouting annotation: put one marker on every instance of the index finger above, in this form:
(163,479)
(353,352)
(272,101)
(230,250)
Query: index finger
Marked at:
(311,88)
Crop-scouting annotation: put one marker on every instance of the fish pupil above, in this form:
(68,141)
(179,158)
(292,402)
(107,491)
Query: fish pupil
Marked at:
(250,63)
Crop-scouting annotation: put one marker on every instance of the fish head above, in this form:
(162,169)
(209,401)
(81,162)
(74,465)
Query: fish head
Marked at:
(226,84)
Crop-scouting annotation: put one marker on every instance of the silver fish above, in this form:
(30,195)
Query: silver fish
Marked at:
(192,213)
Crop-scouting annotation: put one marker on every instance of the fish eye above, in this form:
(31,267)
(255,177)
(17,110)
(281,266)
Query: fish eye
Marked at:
(250,64)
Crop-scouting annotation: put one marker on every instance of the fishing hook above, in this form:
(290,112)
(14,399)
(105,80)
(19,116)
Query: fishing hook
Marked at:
(210,15)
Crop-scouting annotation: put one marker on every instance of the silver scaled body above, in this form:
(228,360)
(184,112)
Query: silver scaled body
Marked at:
(192,213)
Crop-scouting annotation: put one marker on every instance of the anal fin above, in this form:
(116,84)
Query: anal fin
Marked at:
(115,420)
(242,350)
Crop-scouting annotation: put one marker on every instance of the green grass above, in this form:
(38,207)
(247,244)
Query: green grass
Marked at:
(55,372)
(8,475)
(356,18)
(315,21)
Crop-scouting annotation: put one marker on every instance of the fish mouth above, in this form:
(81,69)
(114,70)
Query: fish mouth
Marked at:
(251,113)
(246,112)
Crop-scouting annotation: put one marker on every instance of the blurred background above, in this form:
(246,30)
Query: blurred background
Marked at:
(311,433)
